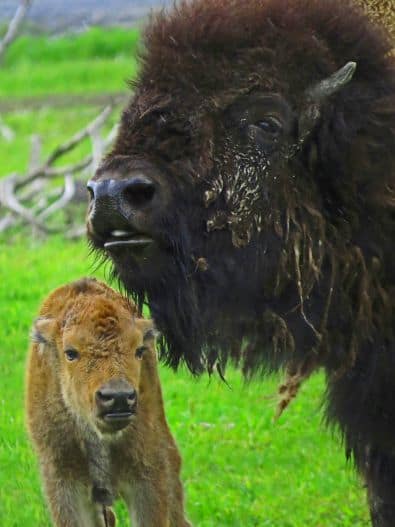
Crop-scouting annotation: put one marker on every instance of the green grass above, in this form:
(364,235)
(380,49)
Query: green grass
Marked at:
(96,61)
(240,468)
(83,76)
(106,43)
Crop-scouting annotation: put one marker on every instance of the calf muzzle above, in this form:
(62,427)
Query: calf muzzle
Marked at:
(116,403)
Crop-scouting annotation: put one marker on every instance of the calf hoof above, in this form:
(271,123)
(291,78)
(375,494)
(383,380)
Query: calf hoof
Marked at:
(109,517)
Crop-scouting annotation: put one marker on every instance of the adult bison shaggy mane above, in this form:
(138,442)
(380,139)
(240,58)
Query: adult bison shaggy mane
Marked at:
(250,200)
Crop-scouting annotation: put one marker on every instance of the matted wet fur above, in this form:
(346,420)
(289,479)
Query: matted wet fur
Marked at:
(276,254)
(95,412)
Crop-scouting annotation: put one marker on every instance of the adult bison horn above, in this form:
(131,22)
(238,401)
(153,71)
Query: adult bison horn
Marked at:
(316,94)
(332,84)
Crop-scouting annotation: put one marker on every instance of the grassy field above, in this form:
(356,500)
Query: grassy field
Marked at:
(99,60)
(240,468)
(54,126)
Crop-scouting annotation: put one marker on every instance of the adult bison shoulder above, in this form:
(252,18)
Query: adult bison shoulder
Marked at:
(250,199)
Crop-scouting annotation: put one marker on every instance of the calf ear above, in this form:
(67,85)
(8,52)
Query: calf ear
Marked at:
(44,330)
(148,329)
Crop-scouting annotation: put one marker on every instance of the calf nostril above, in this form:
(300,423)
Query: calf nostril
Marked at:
(105,398)
(131,396)
(139,191)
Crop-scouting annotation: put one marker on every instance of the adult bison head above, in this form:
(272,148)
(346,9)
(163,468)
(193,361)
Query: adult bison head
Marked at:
(248,196)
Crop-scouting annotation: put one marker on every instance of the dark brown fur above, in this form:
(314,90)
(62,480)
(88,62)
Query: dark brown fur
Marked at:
(85,465)
(298,273)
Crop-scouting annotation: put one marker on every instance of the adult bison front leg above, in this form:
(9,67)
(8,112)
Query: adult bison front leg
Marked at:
(378,470)
(361,400)
(380,479)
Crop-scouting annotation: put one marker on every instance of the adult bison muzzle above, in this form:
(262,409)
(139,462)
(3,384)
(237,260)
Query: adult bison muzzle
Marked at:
(249,198)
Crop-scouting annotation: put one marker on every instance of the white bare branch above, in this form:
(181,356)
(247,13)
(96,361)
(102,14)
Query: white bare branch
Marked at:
(9,200)
(7,221)
(67,196)
(51,173)
(14,25)
(80,136)
(46,170)
(6,132)
(35,152)
(76,232)
(33,197)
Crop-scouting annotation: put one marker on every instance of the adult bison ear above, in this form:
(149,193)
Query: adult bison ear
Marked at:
(317,94)
(44,330)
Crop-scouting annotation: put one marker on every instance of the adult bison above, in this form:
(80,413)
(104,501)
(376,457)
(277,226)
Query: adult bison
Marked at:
(250,199)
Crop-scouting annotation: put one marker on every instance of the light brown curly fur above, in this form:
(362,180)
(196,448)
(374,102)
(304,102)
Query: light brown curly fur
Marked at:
(140,463)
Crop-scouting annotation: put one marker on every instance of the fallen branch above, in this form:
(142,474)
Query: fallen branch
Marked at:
(9,200)
(34,197)
(14,25)
(5,132)
(67,196)
(45,169)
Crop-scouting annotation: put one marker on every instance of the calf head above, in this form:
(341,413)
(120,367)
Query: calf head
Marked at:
(96,350)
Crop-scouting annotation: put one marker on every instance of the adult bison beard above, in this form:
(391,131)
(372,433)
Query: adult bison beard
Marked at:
(160,277)
(202,292)
(163,283)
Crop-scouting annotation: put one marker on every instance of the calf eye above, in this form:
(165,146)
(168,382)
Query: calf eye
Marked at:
(140,352)
(71,354)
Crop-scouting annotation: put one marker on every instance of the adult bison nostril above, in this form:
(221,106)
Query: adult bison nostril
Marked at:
(138,191)
(91,189)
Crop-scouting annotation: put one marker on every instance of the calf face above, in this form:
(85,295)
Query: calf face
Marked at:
(96,348)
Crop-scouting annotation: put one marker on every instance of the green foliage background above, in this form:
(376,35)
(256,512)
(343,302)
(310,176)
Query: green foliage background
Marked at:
(241,469)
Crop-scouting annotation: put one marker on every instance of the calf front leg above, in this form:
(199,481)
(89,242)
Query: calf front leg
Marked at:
(71,504)
(147,503)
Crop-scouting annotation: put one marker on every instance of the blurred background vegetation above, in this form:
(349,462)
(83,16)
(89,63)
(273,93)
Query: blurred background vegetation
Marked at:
(240,468)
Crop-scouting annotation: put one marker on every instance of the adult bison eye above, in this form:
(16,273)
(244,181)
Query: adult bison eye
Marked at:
(140,352)
(71,354)
(270,126)
(266,133)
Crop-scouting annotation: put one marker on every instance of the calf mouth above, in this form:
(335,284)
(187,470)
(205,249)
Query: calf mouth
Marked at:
(115,421)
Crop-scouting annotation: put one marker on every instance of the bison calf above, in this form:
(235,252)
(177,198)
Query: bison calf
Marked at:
(95,412)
